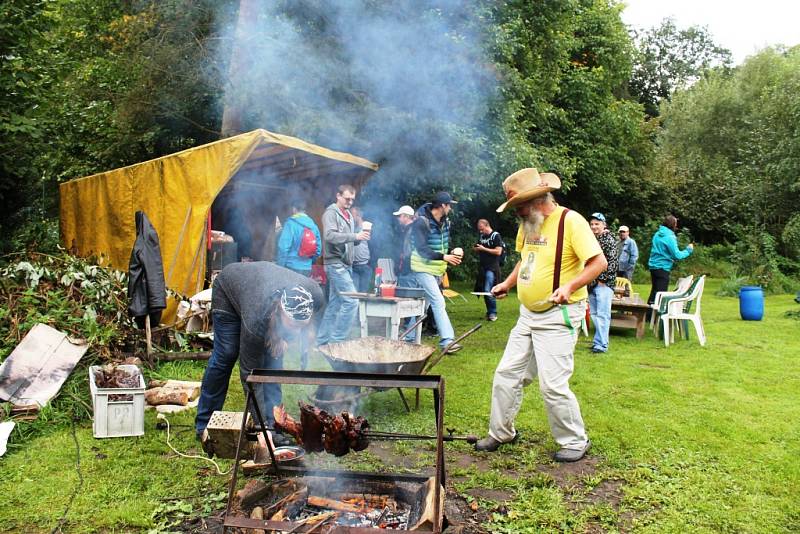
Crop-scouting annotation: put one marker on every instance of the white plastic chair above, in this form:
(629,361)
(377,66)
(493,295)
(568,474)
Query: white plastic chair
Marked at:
(677,311)
(681,287)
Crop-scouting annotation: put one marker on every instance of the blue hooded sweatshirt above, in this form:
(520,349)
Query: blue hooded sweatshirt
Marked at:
(665,250)
(289,242)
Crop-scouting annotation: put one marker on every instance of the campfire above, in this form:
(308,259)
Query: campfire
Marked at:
(305,499)
(323,501)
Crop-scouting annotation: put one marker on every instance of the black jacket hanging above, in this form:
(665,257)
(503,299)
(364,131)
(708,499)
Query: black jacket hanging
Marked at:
(147,294)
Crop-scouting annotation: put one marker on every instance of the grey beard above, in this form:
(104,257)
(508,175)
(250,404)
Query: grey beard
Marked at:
(532,225)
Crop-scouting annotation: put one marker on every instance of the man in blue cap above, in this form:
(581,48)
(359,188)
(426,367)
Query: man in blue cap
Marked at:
(601,290)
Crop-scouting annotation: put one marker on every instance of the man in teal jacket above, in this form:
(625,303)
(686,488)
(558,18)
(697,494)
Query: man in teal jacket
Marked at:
(663,255)
(292,236)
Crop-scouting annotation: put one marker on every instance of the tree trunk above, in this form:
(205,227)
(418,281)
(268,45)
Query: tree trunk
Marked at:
(246,26)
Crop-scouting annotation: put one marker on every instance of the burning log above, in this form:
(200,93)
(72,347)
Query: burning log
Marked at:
(331,504)
(253,491)
(369,500)
(289,506)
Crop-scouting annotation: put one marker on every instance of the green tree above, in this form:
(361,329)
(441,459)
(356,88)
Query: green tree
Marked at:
(668,58)
(730,147)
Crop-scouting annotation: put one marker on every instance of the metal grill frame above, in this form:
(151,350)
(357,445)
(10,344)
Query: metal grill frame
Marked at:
(332,378)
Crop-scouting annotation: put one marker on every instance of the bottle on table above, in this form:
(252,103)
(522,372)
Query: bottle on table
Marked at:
(378,279)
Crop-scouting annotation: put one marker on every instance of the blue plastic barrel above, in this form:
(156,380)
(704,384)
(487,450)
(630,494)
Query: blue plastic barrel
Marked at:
(751,303)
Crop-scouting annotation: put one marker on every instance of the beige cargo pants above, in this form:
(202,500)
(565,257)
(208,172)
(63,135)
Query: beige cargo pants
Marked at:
(543,345)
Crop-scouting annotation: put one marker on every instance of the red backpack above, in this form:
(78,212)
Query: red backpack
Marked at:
(308,244)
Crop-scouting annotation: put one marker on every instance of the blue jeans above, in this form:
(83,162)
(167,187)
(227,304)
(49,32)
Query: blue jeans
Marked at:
(600,310)
(488,284)
(341,311)
(405,280)
(362,277)
(214,389)
(435,299)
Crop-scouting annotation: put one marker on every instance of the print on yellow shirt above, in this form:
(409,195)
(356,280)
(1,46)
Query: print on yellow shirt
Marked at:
(535,277)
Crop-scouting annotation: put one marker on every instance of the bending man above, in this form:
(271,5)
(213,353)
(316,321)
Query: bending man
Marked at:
(257,308)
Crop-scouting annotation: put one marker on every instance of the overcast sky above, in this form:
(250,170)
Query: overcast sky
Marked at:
(743,27)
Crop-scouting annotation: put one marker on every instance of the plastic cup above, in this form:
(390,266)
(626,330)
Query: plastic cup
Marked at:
(458,251)
(366,226)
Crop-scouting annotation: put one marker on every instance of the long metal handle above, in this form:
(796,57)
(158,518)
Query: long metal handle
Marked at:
(412,327)
(432,363)
(390,436)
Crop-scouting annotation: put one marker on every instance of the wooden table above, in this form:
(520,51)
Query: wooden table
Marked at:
(392,309)
(629,313)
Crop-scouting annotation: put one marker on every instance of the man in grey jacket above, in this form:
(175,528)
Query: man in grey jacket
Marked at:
(627,252)
(339,235)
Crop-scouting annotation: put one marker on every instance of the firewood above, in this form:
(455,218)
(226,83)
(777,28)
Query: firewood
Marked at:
(157,396)
(289,505)
(322,502)
(191,388)
(156,383)
(257,513)
(252,492)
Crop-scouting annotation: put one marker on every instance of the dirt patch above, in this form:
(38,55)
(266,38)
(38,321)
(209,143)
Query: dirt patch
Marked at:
(608,491)
(569,474)
(388,456)
(465,460)
(211,524)
(464,517)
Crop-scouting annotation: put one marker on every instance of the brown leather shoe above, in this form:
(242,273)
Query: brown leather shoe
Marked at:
(489,444)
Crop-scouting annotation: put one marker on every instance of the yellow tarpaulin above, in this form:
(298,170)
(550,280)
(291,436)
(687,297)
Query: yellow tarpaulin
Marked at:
(177,192)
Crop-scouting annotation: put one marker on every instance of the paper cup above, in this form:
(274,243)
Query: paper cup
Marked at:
(366,226)
(458,251)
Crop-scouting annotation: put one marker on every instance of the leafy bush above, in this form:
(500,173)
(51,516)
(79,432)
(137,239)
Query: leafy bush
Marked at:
(756,259)
(730,286)
(791,236)
(37,233)
(73,295)
(68,293)
(712,260)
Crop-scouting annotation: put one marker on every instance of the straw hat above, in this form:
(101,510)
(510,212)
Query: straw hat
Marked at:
(526,184)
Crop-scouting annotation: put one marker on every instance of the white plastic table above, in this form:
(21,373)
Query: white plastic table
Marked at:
(392,309)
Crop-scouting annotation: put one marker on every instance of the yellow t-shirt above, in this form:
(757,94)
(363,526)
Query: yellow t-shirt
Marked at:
(535,277)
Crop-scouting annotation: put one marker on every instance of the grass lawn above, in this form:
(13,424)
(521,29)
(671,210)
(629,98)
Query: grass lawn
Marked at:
(686,438)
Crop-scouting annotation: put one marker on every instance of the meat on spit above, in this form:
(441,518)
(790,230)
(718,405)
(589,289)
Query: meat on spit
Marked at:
(318,430)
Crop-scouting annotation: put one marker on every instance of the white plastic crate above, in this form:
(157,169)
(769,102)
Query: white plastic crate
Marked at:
(114,418)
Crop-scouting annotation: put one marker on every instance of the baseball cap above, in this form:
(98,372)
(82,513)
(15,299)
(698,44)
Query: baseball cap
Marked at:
(599,216)
(405,210)
(443,197)
(623,228)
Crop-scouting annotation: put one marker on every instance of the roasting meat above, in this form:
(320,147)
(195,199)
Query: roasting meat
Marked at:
(284,423)
(335,439)
(312,420)
(357,428)
(318,430)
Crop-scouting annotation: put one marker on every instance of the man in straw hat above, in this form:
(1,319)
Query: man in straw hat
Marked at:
(560,255)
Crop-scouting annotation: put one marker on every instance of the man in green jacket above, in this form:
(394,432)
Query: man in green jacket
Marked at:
(430,257)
